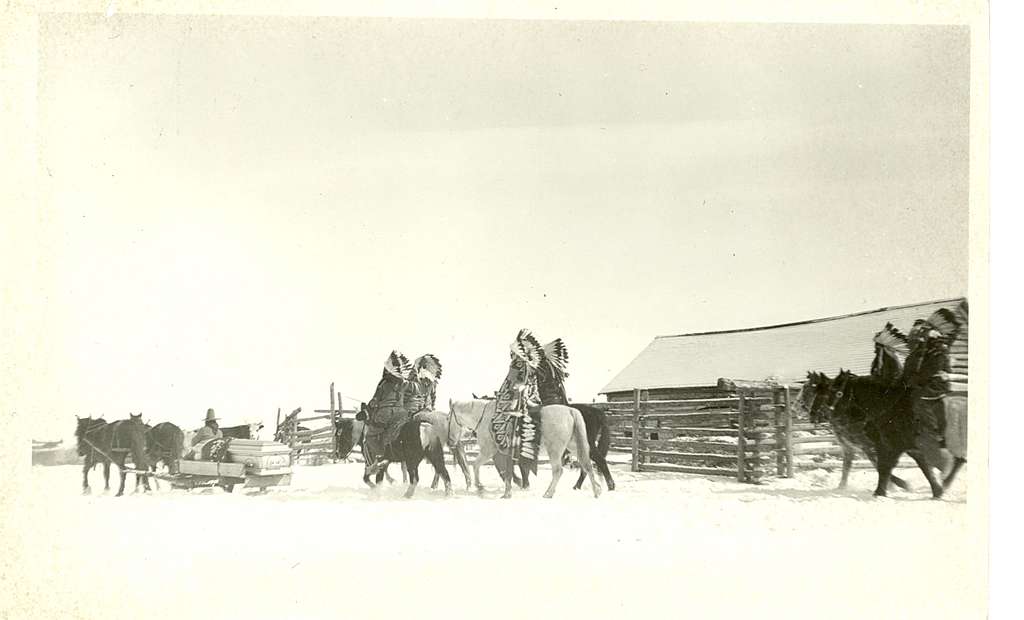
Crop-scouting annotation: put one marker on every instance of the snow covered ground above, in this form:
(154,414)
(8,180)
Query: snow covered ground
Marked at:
(327,547)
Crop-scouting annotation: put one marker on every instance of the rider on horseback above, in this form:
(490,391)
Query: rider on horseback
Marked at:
(421,388)
(927,368)
(386,411)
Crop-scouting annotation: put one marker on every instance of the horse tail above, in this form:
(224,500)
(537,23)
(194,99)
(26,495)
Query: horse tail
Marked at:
(579,430)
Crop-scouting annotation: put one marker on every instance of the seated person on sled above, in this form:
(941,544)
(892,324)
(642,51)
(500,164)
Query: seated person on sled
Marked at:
(208,443)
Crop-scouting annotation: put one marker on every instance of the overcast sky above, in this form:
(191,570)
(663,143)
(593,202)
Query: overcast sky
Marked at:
(238,211)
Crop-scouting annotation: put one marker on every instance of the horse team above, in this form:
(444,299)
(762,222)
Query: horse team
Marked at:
(902,407)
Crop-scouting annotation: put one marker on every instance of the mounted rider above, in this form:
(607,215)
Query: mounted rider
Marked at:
(386,411)
(514,431)
(927,368)
(421,385)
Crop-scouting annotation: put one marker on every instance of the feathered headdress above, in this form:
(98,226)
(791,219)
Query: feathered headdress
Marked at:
(527,349)
(397,365)
(945,322)
(557,355)
(961,313)
(892,340)
(426,367)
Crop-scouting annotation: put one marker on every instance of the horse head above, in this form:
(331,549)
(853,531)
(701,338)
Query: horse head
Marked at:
(81,428)
(137,431)
(814,395)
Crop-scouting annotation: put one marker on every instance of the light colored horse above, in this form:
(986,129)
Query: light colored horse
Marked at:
(449,432)
(956,434)
(559,424)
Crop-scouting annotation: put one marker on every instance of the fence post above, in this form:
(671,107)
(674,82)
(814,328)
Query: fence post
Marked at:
(741,441)
(332,398)
(636,430)
(780,441)
(788,420)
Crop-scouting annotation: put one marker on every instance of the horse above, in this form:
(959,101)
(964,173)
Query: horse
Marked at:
(165,442)
(99,441)
(849,435)
(88,433)
(890,424)
(413,444)
(559,424)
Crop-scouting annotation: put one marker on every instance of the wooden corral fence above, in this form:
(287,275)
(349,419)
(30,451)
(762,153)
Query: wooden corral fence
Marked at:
(313,439)
(744,432)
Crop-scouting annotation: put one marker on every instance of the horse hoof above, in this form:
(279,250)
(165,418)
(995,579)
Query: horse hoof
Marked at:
(548,495)
(611,487)
(576,488)
(86,491)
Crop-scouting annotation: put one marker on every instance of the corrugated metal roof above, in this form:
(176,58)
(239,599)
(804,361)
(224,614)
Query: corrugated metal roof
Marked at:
(785,352)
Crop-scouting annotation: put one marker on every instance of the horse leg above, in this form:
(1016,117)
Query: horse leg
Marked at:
(459,454)
(509,477)
(886,462)
(602,466)
(106,475)
(85,475)
(124,475)
(958,462)
(556,473)
(413,467)
(847,465)
(579,481)
(524,471)
(485,455)
(504,465)
(926,469)
(405,472)
(435,454)
(893,478)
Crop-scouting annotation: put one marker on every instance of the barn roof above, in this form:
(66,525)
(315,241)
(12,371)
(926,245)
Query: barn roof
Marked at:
(784,352)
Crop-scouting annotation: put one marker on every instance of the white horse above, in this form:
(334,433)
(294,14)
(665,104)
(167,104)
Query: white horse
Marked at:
(447,430)
(559,424)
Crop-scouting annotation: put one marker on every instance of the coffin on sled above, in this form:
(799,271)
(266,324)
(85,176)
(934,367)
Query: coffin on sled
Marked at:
(249,462)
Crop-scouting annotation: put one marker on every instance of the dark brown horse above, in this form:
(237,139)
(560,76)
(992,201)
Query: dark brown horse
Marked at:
(165,442)
(890,424)
(88,432)
(850,433)
(413,444)
(100,442)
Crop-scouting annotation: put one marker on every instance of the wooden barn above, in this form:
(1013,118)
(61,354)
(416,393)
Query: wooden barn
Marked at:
(689,365)
(723,403)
